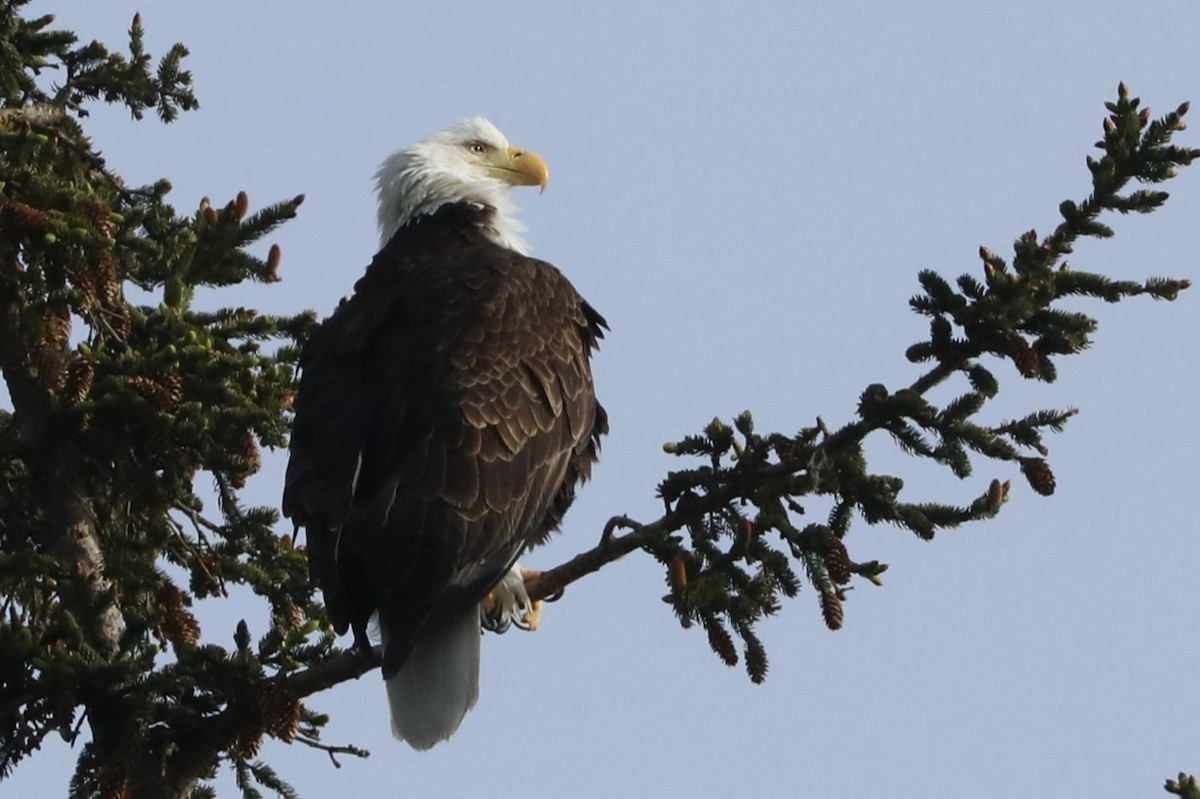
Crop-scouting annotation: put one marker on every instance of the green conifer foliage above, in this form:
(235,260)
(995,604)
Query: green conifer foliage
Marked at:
(119,409)
(732,538)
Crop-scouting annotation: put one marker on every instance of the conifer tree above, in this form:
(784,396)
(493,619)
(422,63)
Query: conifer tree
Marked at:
(119,408)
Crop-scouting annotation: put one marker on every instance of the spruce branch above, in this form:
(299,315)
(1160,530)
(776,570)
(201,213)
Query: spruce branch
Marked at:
(333,751)
(1008,315)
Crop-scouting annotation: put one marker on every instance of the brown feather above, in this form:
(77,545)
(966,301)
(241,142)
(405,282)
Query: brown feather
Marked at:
(445,415)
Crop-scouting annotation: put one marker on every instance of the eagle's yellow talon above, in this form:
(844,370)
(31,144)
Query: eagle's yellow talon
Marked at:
(533,618)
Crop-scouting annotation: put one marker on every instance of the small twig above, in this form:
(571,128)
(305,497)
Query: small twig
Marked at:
(199,523)
(622,521)
(332,751)
(610,548)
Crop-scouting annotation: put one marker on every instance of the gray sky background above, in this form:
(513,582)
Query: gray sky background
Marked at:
(747,194)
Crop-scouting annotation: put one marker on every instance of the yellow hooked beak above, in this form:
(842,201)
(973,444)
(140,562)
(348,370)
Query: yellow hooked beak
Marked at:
(520,168)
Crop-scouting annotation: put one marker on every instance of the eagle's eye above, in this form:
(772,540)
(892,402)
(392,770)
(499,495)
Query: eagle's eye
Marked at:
(477,147)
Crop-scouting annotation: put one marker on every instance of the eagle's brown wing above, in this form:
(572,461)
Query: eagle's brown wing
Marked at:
(444,416)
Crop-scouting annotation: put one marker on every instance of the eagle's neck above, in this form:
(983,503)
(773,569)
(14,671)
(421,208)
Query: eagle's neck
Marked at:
(407,193)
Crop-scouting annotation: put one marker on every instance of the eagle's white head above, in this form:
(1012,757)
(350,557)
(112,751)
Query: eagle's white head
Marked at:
(471,162)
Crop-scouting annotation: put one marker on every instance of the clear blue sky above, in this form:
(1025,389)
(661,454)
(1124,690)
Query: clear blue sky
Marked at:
(746,191)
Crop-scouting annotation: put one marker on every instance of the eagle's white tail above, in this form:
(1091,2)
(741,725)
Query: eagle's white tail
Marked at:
(439,682)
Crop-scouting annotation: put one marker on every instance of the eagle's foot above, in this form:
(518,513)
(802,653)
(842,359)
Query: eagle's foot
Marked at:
(362,645)
(509,604)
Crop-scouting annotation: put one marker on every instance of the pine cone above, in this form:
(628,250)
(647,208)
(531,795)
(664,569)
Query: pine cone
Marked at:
(102,220)
(248,743)
(250,452)
(77,383)
(837,561)
(172,388)
(108,287)
(721,641)
(281,714)
(1025,357)
(831,609)
(241,205)
(178,626)
(996,494)
(86,282)
(24,219)
(742,537)
(1038,473)
(56,330)
(103,286)
(56,325)
(274,255)
(677,573)
(163,392)
(50,366)
(151,391)
(181,628)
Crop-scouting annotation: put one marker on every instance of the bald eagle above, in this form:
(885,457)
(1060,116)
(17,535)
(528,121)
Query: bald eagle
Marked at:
(444,417)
